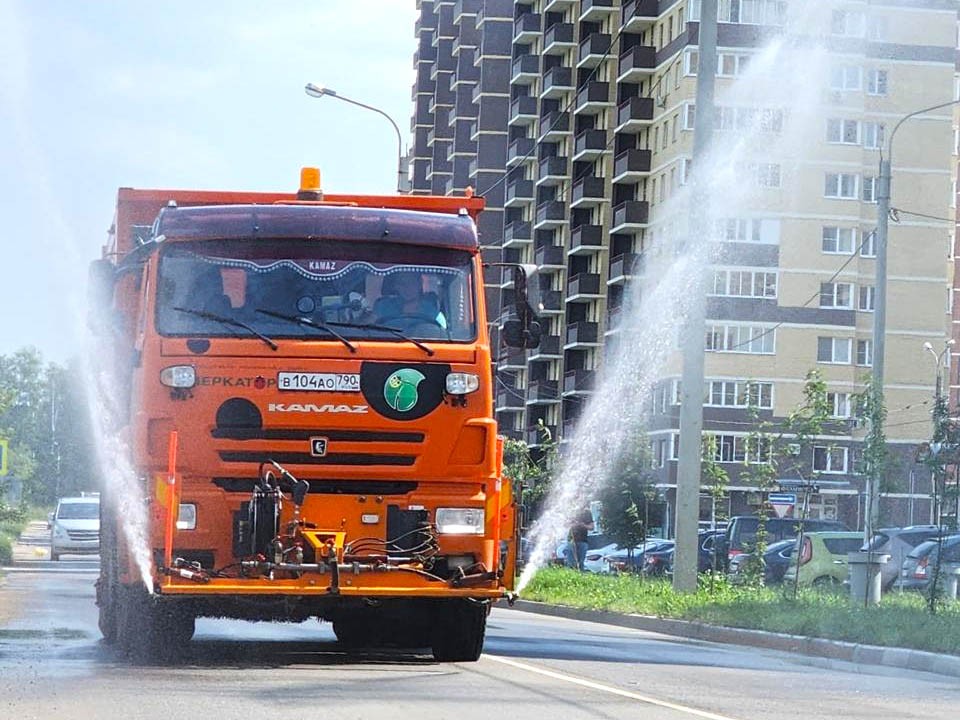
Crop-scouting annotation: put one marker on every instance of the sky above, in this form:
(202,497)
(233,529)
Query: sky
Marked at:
(178,94)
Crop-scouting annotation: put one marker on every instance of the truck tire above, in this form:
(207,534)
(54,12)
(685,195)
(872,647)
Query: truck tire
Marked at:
(354,632)
(149,630)
(459,631)
(54,556)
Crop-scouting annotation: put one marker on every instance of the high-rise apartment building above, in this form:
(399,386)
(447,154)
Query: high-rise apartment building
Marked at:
(592,133)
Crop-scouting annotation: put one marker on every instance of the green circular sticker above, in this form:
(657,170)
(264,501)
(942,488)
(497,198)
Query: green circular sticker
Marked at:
(400,389)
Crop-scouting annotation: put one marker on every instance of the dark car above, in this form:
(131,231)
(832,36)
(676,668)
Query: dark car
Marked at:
(776,560)
(897,543)
(918,568)
(658,562)
(742,531)
(712,551)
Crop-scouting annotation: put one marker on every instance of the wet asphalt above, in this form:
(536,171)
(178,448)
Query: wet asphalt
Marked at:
(54,664)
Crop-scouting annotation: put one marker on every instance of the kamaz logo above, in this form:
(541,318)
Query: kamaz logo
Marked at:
(311,408)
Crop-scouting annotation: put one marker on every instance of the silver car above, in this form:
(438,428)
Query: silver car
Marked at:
(75,527)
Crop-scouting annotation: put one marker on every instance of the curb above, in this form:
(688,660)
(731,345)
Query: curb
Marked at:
(902,658)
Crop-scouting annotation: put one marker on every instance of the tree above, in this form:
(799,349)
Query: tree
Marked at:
(625,498)
(530,474)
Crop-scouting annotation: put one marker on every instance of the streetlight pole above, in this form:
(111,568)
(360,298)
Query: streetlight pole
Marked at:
(880,301)
(403,182)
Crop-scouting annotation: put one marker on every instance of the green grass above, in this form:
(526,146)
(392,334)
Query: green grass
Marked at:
(12,522)
(899,621)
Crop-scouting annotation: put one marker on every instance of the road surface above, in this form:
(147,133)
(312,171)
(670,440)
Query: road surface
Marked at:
(53,664)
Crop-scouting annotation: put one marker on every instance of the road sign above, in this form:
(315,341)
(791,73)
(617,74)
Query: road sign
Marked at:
(3,457)
(782,503)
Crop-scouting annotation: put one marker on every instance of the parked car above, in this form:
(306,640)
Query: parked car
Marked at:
(659,562)
(917,570)
(820,558)
(75,527)
(632,560)
(776,560)
(742,531)
(897,543)
(712,550)
(595,540)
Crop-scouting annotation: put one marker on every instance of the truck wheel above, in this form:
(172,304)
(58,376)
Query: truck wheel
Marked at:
(150,632)
(459,631)
(353,632)
(54,556)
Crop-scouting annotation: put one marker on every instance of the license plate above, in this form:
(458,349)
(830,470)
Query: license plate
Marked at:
(319,382)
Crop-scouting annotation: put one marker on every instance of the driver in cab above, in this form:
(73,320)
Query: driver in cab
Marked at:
(404,300)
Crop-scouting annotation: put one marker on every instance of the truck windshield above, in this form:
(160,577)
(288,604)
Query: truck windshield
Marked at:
(373,289)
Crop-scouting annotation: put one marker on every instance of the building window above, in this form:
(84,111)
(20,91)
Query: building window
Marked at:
(754,339)
(834,350)
(870,189)
(691,61)
(845,77)
(848,23)
(840,404)
(739,394)
(674,446)
(877,28)
(846,132)
(877,82)
(753,12)
(689,116)
(738,448)
(768,175)
(836,295)
(865,298)
(831,460)
(744,283)
(865,353)
(732,64)
(838,240)
(840,185)
(872,135)
(868,246)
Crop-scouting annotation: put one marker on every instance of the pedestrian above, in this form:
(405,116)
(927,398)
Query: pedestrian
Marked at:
(576,550)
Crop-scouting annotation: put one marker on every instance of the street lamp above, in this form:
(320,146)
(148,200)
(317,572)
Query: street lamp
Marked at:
(403,182)
(940,357)
(880,297)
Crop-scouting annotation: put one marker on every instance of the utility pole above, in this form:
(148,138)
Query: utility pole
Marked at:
(691,401)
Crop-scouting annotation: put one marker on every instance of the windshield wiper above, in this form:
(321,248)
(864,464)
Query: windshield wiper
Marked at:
(310,323)
(396,331)
(228,321)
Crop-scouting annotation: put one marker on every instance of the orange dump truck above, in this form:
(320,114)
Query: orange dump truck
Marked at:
(305,383)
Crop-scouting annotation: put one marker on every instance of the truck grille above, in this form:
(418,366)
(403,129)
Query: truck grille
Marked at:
(84,535)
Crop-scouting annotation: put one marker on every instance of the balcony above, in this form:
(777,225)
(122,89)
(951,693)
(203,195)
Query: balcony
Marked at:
(553,171)
(586,240)
(592,98)
(553,126)
(631,166)
(581,335)
(519,193)
(630,216)
(552,6)
(509,400)
(634,114)
(526,28)
(542,392)
(589,145)
(523,111)
(637,63)
(514,359)
(550,256)
(549,349)
(520,150)
(551,302)
(464,8)
(585,286)
(578,382)
(525,70)
(638,15)
(614,316)
(558,38)
(593,50)
(551,214)
(517,234)
(588,192)
(535,436)
(596,10)
(624,267)
(557,82)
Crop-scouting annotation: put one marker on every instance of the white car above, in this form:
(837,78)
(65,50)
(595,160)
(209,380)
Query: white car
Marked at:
(75,527)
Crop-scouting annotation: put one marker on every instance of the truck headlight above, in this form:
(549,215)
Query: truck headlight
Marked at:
(179,376)
(187,517)
(462,383)
(460,521)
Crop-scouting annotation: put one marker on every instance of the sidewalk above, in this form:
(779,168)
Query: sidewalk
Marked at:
(902,658)
(33,544)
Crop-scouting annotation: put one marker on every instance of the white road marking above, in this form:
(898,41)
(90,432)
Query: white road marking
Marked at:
(607,688)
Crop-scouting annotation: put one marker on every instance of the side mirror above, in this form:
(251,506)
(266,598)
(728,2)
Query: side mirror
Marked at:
(525,330)
(515,334)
